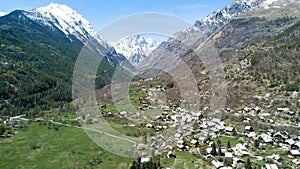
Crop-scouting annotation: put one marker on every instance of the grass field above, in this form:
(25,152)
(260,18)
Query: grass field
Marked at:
(225,139)
(64,148)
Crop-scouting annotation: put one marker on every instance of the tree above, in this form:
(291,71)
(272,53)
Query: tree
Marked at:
(228,147)
(213,151)
(256,143)
(248,164)
(2,129)
(219,143)
(234,133)
(220,151)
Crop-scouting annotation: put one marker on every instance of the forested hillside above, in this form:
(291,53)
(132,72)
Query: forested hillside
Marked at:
(36,65)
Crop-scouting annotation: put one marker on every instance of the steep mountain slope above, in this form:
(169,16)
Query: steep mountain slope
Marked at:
(36,64)
(235,42)
(135,48)
(73,25)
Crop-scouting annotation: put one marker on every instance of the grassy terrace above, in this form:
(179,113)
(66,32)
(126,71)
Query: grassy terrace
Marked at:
(62,148)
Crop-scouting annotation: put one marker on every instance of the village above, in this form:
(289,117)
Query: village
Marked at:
(224,139)
(240,137)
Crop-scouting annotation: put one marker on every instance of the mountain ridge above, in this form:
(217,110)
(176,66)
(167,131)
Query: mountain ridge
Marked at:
(135,48)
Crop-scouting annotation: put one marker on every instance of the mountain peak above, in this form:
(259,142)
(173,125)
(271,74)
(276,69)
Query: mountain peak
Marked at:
(135,48)
(221,17)
(64,18)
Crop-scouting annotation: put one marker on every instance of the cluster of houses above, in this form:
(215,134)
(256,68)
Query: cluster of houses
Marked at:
(183,121)
(192,129)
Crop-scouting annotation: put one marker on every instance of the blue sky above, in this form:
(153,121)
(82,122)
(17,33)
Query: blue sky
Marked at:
(101,13)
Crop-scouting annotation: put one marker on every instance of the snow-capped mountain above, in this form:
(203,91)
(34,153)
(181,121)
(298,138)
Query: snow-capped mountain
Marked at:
(135,48)
(62,18)
(221,17)
(66,20)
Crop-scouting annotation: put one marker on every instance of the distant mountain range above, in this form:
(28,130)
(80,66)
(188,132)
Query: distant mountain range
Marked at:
(135,48)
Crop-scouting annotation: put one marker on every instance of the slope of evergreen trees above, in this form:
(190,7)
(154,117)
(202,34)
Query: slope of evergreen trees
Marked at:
(36,66)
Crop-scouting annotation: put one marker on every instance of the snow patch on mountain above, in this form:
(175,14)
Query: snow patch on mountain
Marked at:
(266,4)
(220,17)
(64,18)
(135,48)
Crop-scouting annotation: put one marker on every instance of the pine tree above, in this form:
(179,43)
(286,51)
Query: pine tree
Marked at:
(213,151)
(228,147)
(248,164)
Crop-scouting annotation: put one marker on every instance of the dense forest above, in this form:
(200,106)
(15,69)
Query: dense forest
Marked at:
(36,66)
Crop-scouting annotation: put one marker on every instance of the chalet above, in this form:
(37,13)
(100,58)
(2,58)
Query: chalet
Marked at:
(228,157)
(281,110)
(270,121)
(123,113)
(229,129)
(209,157)
(296,163)
(228,110)
(257,109)
(165,113)
(267,139)
(194,142)
(149,125)
(154,146)
(240,150)
(103,106)
(217,164)
(182,147)
(168,148)
(294,153)
(178,136)
(109,114)
(208,150)
(160,137)
(205,108)
(145,159)
(251,135)
(296,146)
(289,142)
(278,135)
(159,118)
(261,118)
(215,120)
(285,134)
(245,110)
(270,166)
(291,113)
(180,142)
(171,155)
(248,129)
(158,128)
